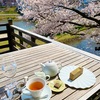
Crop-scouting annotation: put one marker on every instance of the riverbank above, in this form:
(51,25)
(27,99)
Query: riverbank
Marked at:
(67,38)
(6,17)
(8,12)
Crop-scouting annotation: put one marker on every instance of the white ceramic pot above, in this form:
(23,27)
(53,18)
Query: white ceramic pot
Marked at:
(50,68)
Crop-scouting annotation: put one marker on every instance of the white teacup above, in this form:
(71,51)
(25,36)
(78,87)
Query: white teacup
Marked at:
(36,92)
(42,75)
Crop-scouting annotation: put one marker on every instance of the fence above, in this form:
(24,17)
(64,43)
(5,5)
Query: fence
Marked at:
(16,38)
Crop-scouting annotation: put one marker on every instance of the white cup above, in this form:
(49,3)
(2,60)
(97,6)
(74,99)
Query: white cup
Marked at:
(42,75)
(35,93)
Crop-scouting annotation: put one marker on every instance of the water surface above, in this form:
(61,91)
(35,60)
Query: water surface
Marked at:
(87,45)
(22,24)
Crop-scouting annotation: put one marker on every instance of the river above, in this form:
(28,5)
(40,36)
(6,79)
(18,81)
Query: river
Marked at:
(86,44)
(21,23)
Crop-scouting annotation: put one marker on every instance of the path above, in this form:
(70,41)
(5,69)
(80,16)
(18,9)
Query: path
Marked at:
(9,14)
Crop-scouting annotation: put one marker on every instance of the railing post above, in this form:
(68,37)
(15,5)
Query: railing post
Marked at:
(10,21)
(20,33)
(9,31)
(33,39)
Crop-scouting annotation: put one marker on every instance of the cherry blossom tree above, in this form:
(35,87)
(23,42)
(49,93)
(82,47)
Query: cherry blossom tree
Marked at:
(61,16)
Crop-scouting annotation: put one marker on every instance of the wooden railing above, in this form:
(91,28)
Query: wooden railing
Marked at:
(5,38)
(19,38)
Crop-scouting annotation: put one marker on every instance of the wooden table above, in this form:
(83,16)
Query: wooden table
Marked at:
(28,61)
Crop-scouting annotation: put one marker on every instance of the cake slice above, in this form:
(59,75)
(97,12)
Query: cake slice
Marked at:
(76,73)
(57,85)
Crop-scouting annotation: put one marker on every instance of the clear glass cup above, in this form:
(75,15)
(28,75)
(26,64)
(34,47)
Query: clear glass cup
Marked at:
(9,68)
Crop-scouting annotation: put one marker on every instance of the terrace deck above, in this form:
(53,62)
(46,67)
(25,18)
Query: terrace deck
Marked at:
(28,61)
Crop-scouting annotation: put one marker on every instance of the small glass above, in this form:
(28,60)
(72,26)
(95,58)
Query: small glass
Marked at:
(9,68)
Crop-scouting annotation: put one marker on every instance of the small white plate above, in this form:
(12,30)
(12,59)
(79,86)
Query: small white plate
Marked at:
(86,80)
(46,91)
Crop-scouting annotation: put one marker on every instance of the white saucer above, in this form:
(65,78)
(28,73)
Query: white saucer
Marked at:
(86,80)
(46,91)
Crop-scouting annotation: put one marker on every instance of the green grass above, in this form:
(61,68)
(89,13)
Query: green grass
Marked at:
(4,43)
(8,10)
(66,38)
(80,28)
(40,42)
(7,17)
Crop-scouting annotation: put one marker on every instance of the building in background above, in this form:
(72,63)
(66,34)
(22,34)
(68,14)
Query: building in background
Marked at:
(1,2)
(8,2)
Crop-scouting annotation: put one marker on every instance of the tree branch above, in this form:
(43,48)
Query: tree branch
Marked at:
(76,24)
(81,13)
(84,25)
(97,15)
(90,26)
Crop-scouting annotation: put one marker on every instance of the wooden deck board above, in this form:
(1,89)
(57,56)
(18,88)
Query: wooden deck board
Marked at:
(28,61)
(84,97)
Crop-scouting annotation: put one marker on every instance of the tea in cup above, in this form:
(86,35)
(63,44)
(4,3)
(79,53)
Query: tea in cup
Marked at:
(42,75)
(35,86)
